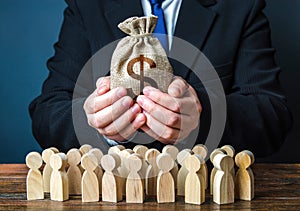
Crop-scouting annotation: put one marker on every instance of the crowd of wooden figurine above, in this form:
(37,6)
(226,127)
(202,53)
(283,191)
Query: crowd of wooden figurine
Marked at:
(141,172)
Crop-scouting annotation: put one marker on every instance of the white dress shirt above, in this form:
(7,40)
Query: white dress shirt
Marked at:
(171,10)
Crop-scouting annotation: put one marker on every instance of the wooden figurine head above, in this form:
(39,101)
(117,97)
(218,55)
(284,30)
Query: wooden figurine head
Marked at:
(46,154)
(215,152)
(134,163)
(193,163)
(201,150)
(223,162)
(110,162)
(229,150)
(89,162)
(74,157)
(85,149)
(182,155)
(97,153)
(151,156)
(141,150)
(58,161)
(165,162)
(171,150)
(34,160)
(244,159)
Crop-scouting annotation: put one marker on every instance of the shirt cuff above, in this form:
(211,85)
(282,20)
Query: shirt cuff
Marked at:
(114,143)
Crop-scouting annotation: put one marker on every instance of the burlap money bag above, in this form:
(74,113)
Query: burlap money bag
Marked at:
(139,60)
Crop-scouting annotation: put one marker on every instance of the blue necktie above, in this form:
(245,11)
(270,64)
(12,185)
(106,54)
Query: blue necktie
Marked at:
(160,26)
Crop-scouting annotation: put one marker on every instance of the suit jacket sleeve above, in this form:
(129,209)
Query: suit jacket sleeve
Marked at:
(257,115)
(51,112)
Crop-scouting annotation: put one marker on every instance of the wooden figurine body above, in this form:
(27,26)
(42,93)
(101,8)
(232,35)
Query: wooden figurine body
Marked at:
(194,183)
(89,184)
(183,172)
(223,192)
(111,186)
(47,171)
(34,179)
(59,185)
(134,184)
(214,170)
(74,172)
(202,150)
(231,152)
(244,179)
(98,171)
(173,152)
(152,172)
(165,181)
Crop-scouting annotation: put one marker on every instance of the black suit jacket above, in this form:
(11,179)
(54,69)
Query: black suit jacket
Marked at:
(233,34)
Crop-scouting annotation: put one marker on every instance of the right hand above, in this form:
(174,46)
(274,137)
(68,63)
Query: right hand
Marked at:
(112,113)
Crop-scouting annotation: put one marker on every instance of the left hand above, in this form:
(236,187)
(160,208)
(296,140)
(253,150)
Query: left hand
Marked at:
(171,116)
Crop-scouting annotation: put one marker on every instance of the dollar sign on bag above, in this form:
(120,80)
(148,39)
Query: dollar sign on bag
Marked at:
(141,59)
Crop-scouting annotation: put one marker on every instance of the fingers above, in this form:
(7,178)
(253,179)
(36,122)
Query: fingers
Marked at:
(126,133)
(163,115)
(184,105)
(118,124)
(161,130)
(94,103)
(198,104)
(160,98)
(149,132)
(178,87)
(107,115)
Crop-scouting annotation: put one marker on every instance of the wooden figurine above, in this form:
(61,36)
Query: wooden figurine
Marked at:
(89,184)
(173,152)
(134,184)
(59,185)
(98,171)
(141,150)
(122,171)
(194,184)
(223,192)
(182,173)
(47,171)
(214,170)
(152,172)
(165,181)
(202,150)
(231,152)
(111,186)
(74,172)
(34,180)
(244,179)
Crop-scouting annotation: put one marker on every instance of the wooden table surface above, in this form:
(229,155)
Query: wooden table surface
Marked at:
(277,187)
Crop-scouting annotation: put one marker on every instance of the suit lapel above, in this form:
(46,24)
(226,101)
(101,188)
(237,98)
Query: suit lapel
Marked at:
(193,25)
(118,11)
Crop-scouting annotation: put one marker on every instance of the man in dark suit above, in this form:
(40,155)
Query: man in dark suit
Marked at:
(233,34)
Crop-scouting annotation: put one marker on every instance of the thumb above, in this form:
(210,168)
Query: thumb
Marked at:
(178,87)
(103,85)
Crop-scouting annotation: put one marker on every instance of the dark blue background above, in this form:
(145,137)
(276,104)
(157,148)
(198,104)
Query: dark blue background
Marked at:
(28,30)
